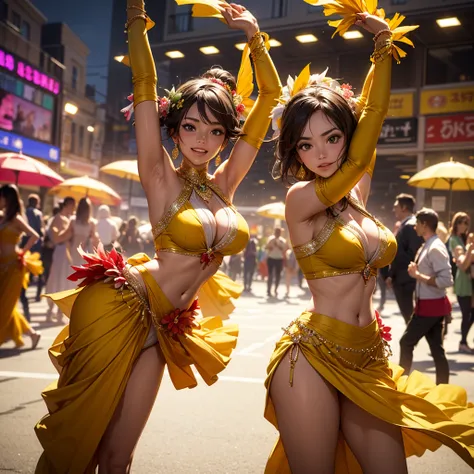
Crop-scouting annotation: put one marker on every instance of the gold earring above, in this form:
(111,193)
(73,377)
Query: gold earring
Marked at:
(175,152)
(301,174)
(218,159)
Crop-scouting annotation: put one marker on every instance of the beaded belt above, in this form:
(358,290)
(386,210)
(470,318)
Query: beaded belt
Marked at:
(307,335)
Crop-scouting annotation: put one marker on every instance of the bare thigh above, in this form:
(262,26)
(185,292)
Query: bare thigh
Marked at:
(121,437)
(308,417)
(377,445)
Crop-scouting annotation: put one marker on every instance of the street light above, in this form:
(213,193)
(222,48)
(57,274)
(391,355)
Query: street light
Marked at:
(90,128)
(70,108)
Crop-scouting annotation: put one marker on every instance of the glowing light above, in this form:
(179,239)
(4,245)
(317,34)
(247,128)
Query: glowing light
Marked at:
(348,35)
(174,54)
(309,38)
(70,108)
(404,176)
(261,181)
(448,22)
(119,58)
(209,50)
(90,128)
(274,43)
(240,46)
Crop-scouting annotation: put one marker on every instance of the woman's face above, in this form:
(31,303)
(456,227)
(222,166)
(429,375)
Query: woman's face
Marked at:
(463,225)
(198,141)
(320,145)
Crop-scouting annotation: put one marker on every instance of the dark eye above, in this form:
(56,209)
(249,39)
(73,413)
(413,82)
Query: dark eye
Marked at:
(334,139)
(304,146)
(217,132)
(188,127)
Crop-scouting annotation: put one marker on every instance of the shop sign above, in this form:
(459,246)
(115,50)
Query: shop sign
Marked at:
(28,73)
(79,168)
(450,129)
(401,105)
(442,101)
(397,130)
(12,142)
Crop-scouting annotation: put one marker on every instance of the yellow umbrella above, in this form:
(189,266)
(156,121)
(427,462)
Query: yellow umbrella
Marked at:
(448,176)
(97,192)
(127,169)
(274,210)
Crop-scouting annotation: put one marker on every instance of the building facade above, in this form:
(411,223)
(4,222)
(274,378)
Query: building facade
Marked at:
(432,104)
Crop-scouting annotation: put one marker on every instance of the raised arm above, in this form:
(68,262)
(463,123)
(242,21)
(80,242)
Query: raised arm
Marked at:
(234,170)
(153,164)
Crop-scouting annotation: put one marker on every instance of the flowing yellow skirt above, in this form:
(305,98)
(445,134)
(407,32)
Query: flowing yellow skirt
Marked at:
(430,415)
(12,277)
(95,355)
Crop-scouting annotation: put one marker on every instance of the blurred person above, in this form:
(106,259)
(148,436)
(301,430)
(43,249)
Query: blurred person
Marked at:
(130,239)
(250,262)
(275,248)
(235,266)
(462,258)
(14,267)
(6,110)
(19,119)
(35,220)
(122,337)
(382,286)
(337,402)
(61,233)
(442,232)
(408,243)
(106,228)
(28,128)
(291,270)
(84,231)
(431,271)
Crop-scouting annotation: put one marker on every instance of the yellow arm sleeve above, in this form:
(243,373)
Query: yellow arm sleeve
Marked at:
(141,60)
(361,154)
(269,90)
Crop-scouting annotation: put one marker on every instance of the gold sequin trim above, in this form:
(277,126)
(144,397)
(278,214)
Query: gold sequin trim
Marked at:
(311,247)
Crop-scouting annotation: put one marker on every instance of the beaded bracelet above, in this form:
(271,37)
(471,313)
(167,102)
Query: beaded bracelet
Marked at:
(129,22)
(382,52)
(380,33)
(256,50)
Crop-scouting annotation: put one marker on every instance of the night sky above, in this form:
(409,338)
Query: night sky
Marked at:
(91,21)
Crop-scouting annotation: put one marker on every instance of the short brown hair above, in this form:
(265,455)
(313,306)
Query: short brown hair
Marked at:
(407,201)
(429,217)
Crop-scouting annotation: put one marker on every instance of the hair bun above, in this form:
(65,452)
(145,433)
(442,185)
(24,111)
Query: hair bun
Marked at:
(217,72)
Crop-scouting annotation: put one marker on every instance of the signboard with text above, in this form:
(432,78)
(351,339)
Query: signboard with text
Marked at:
(442,101)
(401,105)
(399,131)
(10,141)
(450,129)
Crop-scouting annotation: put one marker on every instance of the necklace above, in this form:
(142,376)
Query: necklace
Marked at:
(199,179)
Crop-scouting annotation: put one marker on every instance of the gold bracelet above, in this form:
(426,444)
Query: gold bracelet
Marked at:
(381,53)
(381,32)
(257,49)
(136,7)
(136,17)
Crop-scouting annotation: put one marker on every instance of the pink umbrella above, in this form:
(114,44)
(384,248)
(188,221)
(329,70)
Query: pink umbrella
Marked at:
(23,171)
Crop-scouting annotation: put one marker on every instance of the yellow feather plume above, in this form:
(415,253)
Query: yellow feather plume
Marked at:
(204,8)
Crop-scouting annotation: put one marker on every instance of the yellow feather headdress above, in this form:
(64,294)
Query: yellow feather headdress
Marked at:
(348,10)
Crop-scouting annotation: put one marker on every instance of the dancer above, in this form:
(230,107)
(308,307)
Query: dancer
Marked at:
(126,328)
(14,267)
(337,403)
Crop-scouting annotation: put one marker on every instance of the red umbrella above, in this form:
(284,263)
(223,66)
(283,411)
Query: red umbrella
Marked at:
(25,171)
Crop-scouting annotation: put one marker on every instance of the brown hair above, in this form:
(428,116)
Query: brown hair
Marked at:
(83,212)
(206,93)
(429,217)
(13,203)
(457,218)
(296,115)
(407,201)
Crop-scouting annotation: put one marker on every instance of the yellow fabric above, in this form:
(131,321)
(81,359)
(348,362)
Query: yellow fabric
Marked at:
(269,90)
(95,355)
(204,8)
(338,250)
(33,265)
(141,59)
(183,232)
(429,415)
(12,323)
(363,143)
(215,296)
(8,234)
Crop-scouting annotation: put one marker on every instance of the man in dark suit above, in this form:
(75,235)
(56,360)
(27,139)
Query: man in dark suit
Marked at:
(408,244)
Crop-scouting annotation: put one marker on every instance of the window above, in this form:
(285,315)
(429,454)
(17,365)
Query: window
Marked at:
(73,137)
(180,23)
(80,143)
(447,65)
(279,8)
(3,10)
(16,20)
(399,2)
(25,30)
(75,73)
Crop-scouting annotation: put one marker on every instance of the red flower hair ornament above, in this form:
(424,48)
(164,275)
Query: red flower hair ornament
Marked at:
(100,265)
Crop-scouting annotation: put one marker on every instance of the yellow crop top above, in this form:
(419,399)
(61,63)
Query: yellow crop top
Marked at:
(340,248)
(182,230)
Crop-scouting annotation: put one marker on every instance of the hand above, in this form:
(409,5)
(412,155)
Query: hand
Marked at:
(371,23)
(389,282)
(239,18)
(413,270)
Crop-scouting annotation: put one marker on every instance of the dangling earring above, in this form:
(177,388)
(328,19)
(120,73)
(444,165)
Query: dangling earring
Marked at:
(301,174)
(218,159)
(175,152)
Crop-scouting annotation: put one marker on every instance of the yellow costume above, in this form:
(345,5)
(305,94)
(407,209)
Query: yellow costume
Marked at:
(110,327)
(14,276)
(354,360)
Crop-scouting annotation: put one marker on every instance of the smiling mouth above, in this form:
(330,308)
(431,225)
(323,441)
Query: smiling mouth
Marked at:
(325,165)
(199,150)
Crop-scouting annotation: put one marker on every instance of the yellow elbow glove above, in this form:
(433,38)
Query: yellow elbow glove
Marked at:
(141,60)
(269,90)
(361,154)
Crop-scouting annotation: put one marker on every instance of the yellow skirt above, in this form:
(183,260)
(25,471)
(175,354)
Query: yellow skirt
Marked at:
(95,355)
(12,323)
(429,415)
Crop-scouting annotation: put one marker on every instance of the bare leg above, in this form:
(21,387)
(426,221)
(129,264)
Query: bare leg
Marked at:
(308,417)
(121,437)
(378,446)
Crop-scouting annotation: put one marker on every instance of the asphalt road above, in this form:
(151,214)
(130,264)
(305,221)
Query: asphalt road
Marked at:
(218,429)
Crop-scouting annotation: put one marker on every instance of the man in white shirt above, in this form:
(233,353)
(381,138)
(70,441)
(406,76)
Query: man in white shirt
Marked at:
(275,248)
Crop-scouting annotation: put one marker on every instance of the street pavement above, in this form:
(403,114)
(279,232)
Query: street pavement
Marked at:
(218,429)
